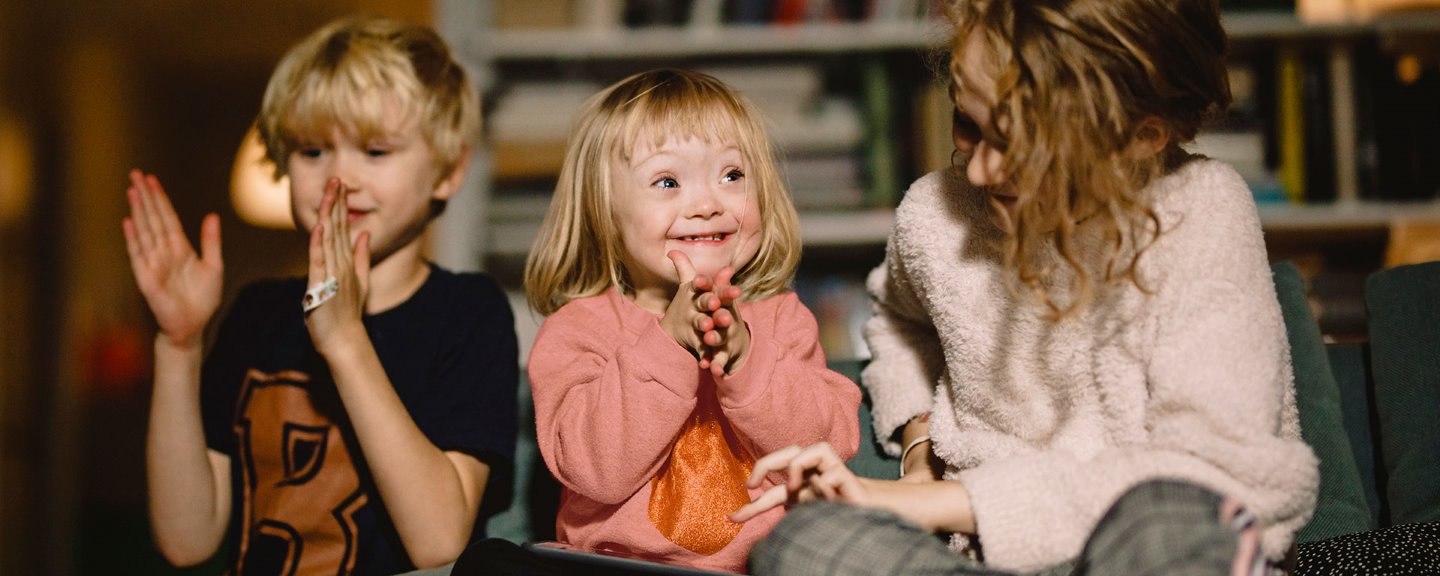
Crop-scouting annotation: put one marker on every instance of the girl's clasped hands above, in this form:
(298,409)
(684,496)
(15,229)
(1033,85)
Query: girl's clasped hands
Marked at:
(704,319)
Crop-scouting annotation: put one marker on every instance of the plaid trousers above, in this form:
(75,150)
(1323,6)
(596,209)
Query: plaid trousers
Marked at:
(1159,527)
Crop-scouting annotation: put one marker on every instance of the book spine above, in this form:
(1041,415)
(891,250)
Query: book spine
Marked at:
(1290,122)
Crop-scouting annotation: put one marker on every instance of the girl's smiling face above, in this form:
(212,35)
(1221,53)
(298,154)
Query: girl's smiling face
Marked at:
(688,195)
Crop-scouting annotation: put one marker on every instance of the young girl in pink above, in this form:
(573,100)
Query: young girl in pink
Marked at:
(674,353)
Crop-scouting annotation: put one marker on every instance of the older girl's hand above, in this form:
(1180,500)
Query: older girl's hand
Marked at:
(816,472)
(812,472)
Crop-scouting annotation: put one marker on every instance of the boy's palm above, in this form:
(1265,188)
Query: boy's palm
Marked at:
(182,289)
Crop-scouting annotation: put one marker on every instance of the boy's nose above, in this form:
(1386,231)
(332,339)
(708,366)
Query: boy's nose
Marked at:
(345,168)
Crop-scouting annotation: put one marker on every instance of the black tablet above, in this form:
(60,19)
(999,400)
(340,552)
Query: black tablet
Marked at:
(589,561)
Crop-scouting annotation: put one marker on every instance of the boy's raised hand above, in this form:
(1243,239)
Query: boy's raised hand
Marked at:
(181,288)
(336,321)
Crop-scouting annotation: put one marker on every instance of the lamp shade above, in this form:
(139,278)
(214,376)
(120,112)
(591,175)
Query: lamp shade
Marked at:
(259,198)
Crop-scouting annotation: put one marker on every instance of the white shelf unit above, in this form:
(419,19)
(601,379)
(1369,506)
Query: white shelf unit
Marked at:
(484,48)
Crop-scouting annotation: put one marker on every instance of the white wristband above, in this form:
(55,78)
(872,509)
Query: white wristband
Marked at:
(906,452)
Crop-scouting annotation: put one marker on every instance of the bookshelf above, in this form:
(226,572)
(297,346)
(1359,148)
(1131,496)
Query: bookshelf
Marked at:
(490,227)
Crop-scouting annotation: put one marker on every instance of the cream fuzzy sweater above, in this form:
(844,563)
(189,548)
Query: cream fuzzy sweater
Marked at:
(1048,424)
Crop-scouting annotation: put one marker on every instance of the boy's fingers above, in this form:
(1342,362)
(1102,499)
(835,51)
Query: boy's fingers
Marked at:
(683,267)
(132,244)
(362,262)
(703,283)
(210,239)
(317,255)
(327,236)
(147,219)
(168,220)
(137,220)
(712,338)
(703,323)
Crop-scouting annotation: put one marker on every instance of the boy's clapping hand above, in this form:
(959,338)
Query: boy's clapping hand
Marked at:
(181,288)
(335,319)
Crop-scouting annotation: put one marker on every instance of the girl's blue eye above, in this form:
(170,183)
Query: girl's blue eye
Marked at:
(667,182)
(733,176)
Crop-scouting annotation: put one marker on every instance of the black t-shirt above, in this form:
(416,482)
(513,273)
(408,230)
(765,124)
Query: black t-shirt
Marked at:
(303,497)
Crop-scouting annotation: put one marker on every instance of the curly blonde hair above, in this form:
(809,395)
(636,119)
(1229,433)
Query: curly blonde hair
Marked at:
(578,252)
(1077,82)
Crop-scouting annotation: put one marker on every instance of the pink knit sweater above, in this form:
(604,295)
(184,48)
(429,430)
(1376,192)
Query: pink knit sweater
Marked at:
(1048,424)
(612,391)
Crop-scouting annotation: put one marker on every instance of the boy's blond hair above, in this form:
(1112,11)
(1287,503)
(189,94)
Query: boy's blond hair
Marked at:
(578,252)
(1077,83)
(345,74)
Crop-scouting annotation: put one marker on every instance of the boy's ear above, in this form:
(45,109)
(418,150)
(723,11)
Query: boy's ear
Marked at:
(450,183)
(1151,138)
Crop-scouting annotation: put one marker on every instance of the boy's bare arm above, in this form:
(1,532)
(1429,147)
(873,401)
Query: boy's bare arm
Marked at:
(189,486)
(432,496)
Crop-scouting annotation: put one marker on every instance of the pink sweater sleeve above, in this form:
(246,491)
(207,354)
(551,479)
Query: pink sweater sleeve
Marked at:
(784,394)
(610,396)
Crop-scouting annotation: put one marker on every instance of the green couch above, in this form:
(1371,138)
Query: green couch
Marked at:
(1369,411)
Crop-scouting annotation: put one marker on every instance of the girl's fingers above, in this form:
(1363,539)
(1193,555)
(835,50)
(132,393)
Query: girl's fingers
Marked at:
(817,457)
(703,323)
(718,364)
(723,318)
(822,487)
(725,276)
(772,462)
(775,496)
(712,338)
(704,283)
(684,269)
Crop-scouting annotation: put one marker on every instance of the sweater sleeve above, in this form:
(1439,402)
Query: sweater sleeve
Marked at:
(906,357)
(1219,409)
(608,403)
(785,394)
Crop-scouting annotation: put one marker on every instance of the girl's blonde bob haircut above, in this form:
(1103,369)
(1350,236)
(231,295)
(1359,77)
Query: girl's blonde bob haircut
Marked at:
(578,252)
(348,73)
